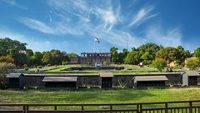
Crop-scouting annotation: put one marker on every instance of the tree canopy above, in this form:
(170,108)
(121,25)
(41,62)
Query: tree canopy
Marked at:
(13,51)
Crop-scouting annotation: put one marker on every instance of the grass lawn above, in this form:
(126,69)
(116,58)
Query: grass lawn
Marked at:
(132,69)
(98,95)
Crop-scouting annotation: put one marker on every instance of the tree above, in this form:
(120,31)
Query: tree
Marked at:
(7,59)
(147,58)
(15,49)
(114,54)
(192,63)
(147,52)
(55,57)
(20,57)
(122,56)
(182,55)
(7,44)
(197,53)
(4,69)
(133,57)
(72,55)
(37,58)
(159,64)
(168,54)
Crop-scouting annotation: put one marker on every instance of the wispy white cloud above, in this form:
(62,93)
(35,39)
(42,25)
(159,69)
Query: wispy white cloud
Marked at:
(159,35)
(142,15)
(32,42)
(117,38)
(14,3)
(58,28)
(92,18)
(37,25)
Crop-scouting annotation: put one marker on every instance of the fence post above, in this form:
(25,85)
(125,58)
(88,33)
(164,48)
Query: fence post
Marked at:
(55,108)
(82,108)
(139,108)
(190,107)
(24,108)
(111,108)
(166,107)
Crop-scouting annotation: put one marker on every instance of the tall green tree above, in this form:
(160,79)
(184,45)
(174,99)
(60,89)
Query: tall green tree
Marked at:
(122,56)
(147,52)
(192,63)
(133,57)
(183,54)
(37,58)
(54,57)
(15,49)
(114,54)
(168,54)
(197,53)
(159,64)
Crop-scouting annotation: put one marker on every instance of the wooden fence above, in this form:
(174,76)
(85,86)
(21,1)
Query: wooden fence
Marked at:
(153,107)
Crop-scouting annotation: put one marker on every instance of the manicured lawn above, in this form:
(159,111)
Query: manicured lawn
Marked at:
(98,95)
(129,69)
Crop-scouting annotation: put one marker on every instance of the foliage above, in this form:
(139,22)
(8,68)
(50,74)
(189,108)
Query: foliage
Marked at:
(122,56)
(7,59)
(192,63)
(16,52)
(147,52)
(15,49)
(122,84)
(4,69)
(72,55)
(39,67)
(197,53)
(133,57)
(26,68)
(54,57)
(36,58)
(183,54)
(170,54)
(159,64)
(65,62)
(114,54)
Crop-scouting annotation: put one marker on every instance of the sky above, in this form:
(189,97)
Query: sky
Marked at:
(72,25)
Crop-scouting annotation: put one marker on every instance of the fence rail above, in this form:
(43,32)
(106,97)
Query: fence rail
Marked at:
(153,107)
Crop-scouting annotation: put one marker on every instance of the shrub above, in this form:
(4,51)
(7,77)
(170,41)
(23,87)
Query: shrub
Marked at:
(4,69)
(122,84)
(65,62)
(159,64)
(39,67)
(7,59)
(105,63)
(192,63)
(26,68)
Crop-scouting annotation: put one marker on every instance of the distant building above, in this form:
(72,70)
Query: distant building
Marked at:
(74,60)
(96,59)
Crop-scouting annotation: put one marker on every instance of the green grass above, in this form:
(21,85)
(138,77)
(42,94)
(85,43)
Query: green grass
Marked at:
(135,69)
(98,95)
(129,69)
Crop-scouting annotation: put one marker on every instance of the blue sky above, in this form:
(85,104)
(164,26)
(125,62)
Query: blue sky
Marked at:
(71,25)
